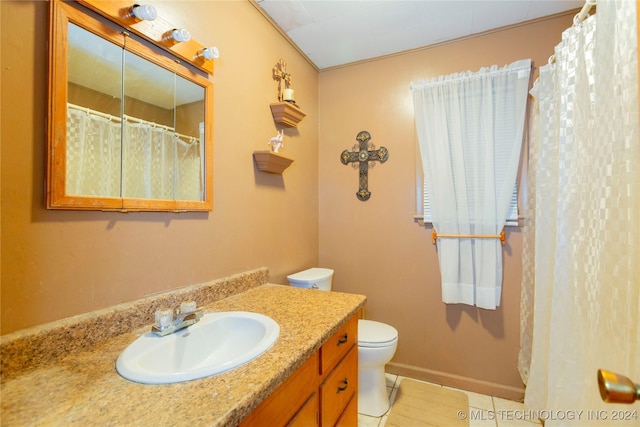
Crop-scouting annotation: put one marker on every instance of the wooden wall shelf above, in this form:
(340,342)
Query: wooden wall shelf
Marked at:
(287,113)
(268,161)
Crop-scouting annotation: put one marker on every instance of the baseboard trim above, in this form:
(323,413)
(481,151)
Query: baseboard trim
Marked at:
(457,381)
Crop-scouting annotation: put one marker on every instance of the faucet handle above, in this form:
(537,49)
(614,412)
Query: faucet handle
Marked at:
(164,318)
(188,307)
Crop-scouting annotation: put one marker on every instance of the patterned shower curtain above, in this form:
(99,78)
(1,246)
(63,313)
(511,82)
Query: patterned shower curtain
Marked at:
(148,167)
(153,162)
(580,308)
(93,154)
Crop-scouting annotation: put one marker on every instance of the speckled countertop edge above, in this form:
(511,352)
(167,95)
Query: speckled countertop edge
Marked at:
(21,350)
(83,388)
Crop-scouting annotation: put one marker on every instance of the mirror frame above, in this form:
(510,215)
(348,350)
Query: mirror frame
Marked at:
(61,14)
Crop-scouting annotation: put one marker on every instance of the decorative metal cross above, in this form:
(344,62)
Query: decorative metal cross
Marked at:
(364,155)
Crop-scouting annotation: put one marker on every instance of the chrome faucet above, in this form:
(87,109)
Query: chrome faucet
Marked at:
(186,316)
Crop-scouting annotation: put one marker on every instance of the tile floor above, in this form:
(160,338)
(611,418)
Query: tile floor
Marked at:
(484,411)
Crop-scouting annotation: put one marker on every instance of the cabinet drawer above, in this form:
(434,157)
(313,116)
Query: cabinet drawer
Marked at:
(338,345)
(338,389)
(281,406)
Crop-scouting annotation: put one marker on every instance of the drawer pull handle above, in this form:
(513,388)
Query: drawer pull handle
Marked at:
(343,339)
(344,386)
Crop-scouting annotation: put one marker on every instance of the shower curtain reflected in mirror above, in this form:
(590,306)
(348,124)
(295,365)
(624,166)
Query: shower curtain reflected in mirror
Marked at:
(93,153)
(154,162)
(580,307)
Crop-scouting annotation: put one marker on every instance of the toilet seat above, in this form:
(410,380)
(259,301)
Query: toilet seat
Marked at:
(375,334)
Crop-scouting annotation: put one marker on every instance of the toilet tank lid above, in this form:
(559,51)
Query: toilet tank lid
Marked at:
(311,275)
(375,332)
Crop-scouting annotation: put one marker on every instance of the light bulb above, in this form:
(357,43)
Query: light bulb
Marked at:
(144,12)
(209,53)
(181,35)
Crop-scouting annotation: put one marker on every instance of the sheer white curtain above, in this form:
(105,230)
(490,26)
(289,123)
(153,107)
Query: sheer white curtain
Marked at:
(581,259)
(470,130)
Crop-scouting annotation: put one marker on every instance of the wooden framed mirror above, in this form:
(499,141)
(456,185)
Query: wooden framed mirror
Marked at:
(130,126)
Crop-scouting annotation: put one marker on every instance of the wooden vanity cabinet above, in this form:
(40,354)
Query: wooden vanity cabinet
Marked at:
(291,402)
(322,392)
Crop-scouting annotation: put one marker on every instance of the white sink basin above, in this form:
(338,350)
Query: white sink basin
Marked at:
(219,342)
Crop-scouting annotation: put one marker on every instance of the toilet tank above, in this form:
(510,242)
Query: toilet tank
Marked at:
(313,278)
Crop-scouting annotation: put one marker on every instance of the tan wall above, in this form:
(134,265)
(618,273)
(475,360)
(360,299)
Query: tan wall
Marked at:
(60,263)
(377,249)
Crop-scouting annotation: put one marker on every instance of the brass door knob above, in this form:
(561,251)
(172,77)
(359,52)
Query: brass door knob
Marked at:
(615,388)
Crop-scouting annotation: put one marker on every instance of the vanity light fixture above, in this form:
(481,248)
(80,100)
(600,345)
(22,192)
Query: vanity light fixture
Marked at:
(208,53)
(144,12)
(179,35)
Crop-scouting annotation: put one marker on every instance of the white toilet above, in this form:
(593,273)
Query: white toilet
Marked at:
(377,343)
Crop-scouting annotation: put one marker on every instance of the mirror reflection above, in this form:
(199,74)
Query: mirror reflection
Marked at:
(134,129)
(93,115)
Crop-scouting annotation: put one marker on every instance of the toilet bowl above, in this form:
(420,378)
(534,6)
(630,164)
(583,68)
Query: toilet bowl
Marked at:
(377,343)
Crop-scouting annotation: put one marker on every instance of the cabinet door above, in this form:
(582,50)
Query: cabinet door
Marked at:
(308,416)
(284,403)
(338,389)
(349,417)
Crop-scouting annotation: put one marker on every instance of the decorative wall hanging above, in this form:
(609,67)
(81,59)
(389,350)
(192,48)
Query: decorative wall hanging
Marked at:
(285,112)
(285,93)
(364,153)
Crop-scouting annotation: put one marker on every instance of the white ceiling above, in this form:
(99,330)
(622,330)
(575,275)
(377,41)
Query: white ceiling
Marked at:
(337,32)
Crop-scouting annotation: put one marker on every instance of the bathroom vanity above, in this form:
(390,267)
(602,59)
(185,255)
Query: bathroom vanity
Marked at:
(64,373)
(323,391)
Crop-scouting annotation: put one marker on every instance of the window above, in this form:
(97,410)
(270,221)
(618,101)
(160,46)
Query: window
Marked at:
(471,122)
(424,207)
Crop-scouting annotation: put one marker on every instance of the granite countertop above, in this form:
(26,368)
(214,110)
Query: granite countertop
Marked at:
(83,387)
